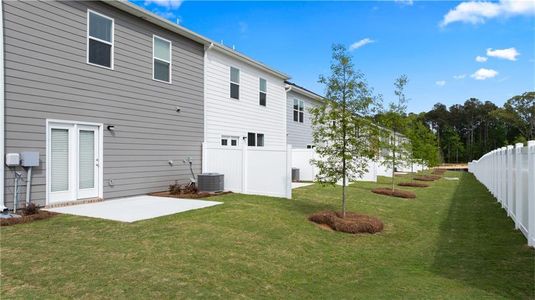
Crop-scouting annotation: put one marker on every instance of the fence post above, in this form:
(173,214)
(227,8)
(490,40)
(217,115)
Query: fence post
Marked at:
(531,193)
(518,184)
(204,155)
(244,165)
(289,172)
(509,179)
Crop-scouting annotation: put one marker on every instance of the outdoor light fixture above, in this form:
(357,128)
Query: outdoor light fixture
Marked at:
(178,109)
(111,127)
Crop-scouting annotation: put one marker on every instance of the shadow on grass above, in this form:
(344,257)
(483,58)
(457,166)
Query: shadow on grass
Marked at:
(479,246)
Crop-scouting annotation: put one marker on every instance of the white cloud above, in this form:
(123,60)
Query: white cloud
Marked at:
(483,74)
(405,2)
(481,58)
(440,82)
(360,43)
(476,12)
(509,53)
(170,4)
(459,77)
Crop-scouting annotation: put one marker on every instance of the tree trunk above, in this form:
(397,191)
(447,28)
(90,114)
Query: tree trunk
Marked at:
(393,158)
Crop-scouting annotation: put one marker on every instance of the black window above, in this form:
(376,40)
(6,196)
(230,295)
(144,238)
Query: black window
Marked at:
(100,40)
(263,92)
(251,139)
(234,142)
(234,83)
(224,142)
(260,140)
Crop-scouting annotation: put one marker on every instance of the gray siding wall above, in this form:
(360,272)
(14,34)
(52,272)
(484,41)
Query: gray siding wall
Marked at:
(299,134)
(46,77)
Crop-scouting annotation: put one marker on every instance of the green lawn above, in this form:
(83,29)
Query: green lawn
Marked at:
(453,241)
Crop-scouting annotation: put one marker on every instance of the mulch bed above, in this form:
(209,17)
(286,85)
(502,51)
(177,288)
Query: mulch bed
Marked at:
(427,178)
(395,193)
(352,223)
(188,195)
(41,215)
(439,171)
(413,184)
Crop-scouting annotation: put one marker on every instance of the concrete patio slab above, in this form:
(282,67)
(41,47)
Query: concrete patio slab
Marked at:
(296,185)
(132,209)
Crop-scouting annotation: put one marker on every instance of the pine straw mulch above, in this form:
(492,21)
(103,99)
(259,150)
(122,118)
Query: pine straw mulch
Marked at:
(427,178)
(352,223)
(41,215)
(395,193)
(413,184)
(439,171)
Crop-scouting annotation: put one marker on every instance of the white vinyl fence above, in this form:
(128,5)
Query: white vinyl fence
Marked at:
(307,172)
(248,170)
(509,174)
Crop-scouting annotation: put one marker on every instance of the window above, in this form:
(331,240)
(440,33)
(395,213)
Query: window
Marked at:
(161,59)
(299,110)
(229,140)
(234,83)
(310,146)
(255,139)
(263,91)
(99,40)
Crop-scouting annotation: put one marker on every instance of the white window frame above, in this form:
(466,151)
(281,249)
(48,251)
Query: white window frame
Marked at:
(299,101)
(89,11)
(260,91)
(237,83)
(229,139)
(256,139)
(170,62)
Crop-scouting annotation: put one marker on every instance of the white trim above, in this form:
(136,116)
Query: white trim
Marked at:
(89,11)
(170,62)
(299,102)
(75,124)
(2,104)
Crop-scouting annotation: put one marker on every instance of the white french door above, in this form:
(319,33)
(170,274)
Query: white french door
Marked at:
(73,161)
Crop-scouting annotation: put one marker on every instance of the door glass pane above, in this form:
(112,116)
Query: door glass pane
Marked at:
(87,159)
(59,160)
(100,27)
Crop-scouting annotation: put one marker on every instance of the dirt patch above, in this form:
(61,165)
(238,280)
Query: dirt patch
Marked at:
(395,193)
(439,171)
(427,178)
(41,215)
(413,184)
(352,223)
(188,195)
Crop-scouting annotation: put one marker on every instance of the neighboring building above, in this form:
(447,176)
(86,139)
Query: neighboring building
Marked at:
(112,102)
(299,124)
(245,124)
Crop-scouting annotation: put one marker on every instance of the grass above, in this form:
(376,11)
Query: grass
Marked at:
(452,241)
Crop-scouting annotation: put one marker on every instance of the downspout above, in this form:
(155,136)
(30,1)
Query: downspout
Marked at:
(204,162)
(2,105)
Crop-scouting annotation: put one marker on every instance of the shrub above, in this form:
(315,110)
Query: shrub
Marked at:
(31,209)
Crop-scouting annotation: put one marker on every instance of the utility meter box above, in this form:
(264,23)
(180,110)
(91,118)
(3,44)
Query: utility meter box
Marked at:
(12,159)
(29,159)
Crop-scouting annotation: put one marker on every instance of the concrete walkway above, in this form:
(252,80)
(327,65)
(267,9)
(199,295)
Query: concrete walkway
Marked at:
(296,185)
(132,209)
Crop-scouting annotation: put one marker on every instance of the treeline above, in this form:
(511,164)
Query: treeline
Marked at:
(465,132)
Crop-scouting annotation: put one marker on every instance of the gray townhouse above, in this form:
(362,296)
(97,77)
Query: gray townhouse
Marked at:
(111,97)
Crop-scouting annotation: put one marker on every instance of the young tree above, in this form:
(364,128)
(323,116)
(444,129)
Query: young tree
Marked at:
(394,120)
(423,143)
(342,130)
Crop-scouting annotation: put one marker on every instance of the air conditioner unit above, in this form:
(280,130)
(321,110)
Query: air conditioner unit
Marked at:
(211,182)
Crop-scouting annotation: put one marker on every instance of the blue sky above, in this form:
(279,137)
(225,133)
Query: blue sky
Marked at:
(434,43)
